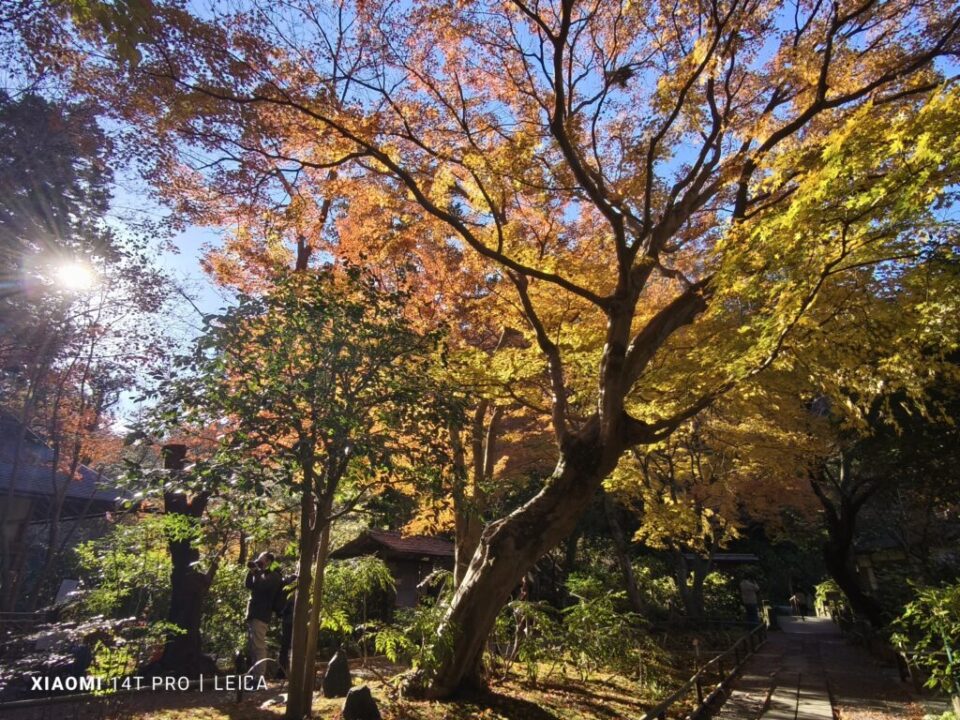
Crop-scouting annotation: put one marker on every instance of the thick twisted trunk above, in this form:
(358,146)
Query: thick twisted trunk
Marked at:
(508,550)
(841,516)
(182,653)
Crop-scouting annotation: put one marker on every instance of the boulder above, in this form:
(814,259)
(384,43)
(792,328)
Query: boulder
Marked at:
(360,705)
(337,680)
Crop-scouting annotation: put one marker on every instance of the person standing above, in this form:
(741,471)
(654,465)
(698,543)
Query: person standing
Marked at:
(750,595)
(799,601)
(264,582)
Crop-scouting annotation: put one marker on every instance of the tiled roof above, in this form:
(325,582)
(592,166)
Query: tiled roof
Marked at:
(731,558)
(393,544)
(34,473)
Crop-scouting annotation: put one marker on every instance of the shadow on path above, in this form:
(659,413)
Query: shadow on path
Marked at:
(810,672)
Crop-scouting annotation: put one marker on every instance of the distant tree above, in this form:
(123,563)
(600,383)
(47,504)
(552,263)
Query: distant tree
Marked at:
(321,383)
(909,452)
(78,302)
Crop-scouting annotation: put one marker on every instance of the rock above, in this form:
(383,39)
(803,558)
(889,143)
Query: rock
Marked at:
(281,699)
(337,680)
(360,705)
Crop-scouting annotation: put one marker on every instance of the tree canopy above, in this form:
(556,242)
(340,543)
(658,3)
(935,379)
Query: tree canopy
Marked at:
(664,199)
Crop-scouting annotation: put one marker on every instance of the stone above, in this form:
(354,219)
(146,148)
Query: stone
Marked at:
(360,705)
(337,680)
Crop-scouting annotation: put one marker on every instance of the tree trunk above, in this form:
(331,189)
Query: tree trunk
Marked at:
(691,593)
(838,549)
(621,549)
(468,524)
(297,685)
(468,494)
(469,528)
(316,607)
(701,568)
(243,549)
(182,651)
(838,557)
(508,550)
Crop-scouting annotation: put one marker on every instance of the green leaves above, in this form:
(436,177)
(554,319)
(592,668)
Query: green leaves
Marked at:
(930,629)
(321,380)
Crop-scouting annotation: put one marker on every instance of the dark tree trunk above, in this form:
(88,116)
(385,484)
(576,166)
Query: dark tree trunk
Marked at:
(838,557)
(508,549)
(621,548)
(691,594)
(701,568)
(572,545)
(838,550)
(182,652)
(313,626)
(299,684)
(243,549)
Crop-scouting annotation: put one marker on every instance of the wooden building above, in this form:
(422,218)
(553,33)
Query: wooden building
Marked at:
(410,558)
(34,494)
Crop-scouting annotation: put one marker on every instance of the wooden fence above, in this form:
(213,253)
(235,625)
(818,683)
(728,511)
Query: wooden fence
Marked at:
(713,679)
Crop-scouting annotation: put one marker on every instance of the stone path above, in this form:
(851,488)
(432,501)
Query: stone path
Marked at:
(809,672)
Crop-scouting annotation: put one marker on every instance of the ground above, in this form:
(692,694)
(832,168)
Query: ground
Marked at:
(806,672)
(559,698)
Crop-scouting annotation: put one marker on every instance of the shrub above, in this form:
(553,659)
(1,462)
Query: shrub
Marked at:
(599,636)
(930,627)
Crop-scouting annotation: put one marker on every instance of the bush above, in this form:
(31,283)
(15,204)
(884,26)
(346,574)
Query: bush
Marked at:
(930,628)
(599,636)
(530,633)
(721,596)
(224,612)
(350,588)
(413,636)
(127,571)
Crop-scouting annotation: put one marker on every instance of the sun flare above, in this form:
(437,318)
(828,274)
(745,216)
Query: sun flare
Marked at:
(75,276)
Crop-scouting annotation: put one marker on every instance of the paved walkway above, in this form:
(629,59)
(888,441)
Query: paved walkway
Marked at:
(809,672)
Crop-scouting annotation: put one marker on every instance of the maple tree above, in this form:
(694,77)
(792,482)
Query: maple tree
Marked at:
(742,462)
(668,190)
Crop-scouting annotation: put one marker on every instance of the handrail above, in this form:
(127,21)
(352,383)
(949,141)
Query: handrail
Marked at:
(752,639)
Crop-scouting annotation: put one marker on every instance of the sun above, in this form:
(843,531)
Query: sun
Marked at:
(75,276)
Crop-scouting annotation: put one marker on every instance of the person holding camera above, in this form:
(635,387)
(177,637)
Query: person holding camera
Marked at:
(264,582)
